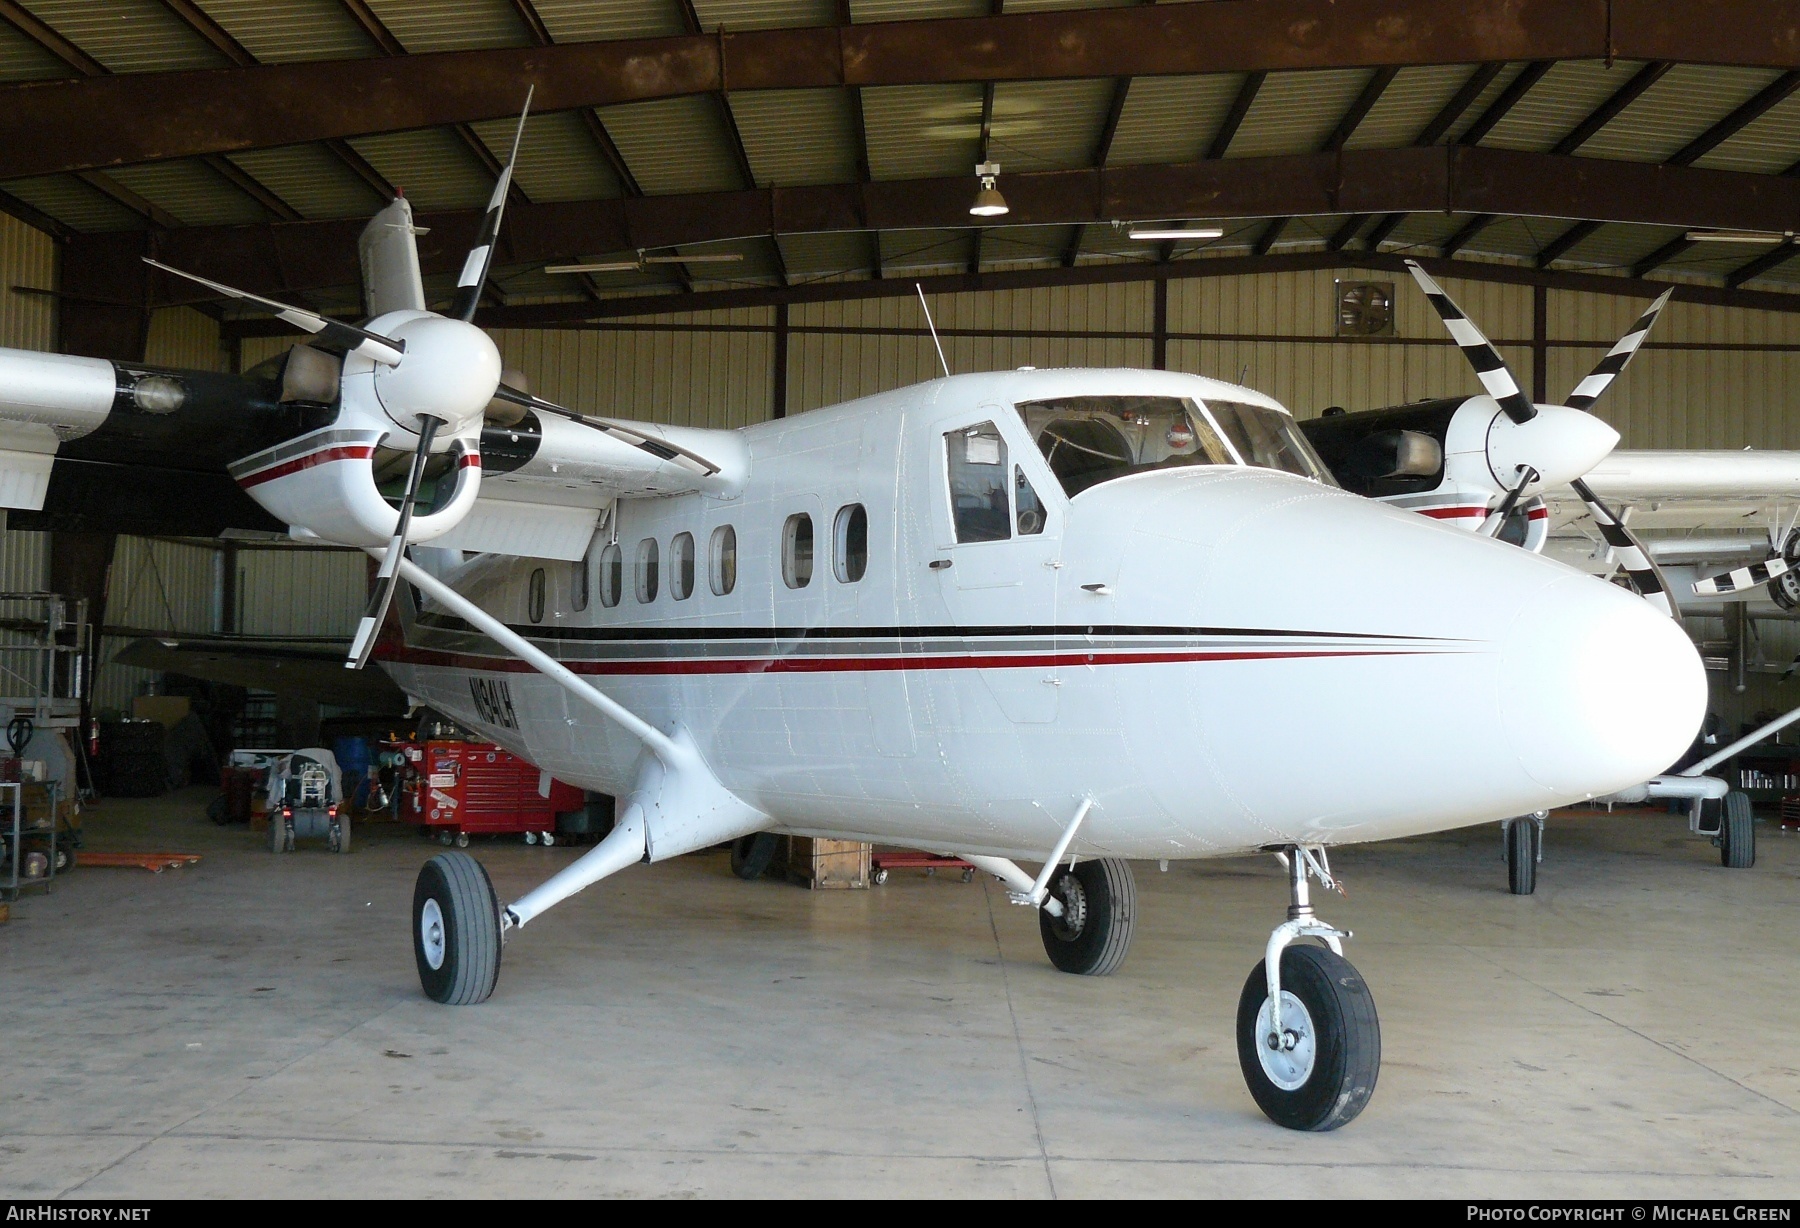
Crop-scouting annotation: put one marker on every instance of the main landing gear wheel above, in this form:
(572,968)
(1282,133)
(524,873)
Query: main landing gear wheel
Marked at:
(1523,840)
(456,930)
(1321,1071)
(1099,902)
(751,855)
(1737,833)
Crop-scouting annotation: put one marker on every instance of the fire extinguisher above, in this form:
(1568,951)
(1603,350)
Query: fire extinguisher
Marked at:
(93,737)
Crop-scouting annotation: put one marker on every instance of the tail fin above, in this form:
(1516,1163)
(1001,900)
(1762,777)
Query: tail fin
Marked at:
(390,262)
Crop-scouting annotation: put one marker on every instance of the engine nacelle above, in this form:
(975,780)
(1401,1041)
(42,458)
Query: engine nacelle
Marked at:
(322,484)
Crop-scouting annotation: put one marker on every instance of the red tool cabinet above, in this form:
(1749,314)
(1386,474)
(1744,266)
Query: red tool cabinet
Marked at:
(458,789)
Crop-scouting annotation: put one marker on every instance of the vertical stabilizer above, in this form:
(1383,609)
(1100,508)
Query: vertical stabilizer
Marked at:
(390,262)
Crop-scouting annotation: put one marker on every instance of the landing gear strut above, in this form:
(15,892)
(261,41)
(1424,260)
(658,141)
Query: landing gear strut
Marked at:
(1309,1042)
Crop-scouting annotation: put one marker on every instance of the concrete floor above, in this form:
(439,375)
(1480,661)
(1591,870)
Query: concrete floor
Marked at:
(253,1026)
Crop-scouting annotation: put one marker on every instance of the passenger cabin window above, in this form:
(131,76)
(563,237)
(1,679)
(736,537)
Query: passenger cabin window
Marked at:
(578,583)
(681,566)
(850,543)
(976,458)
(722,564)
(535,601)
(612,575)
(1028,508)
(797,550)
(648,571)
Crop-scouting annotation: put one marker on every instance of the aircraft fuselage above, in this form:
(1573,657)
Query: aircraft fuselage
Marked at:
(1223,657)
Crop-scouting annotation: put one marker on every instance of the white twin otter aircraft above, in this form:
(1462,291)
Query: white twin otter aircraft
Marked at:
(1061,618)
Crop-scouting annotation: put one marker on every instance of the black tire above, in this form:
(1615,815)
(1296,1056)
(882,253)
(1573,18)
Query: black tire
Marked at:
(278,841)
(1521,856)
(1737,833)
(1099,901)
(751,855)
(342,843)
(1347,1041)
(65,858)
(467,942)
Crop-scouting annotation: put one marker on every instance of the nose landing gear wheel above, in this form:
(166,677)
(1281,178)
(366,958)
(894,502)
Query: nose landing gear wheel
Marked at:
(456,930)
(1322,1071)
(751,855)
(1737,833)
(1522,844)
(1099,901)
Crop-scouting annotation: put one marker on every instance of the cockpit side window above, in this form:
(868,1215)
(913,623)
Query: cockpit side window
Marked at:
(979,508)
(1093,439)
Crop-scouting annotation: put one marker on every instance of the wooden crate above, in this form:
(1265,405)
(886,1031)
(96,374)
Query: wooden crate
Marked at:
(828,864)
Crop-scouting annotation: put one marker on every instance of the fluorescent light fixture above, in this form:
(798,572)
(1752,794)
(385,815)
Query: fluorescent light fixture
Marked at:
(1176,233)
(1738,236)
(988,201)
(633,266)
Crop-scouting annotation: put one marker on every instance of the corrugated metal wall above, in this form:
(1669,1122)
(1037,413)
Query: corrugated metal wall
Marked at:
(1712,376)
(712,378)
(301,592)
(28,322)
(183,337)
(155,586)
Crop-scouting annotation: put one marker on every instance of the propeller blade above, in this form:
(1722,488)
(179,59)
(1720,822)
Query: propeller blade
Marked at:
(1490,368)
(1646,577)
(1741,578)
(381,349)
(473,279)
(388,576)
(1601,377)
(1497,518)
(662,449)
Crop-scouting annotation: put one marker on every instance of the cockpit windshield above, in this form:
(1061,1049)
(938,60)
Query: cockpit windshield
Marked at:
(1092,439)
(1267,438)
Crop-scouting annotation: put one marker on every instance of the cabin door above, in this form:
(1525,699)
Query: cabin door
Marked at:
(999,547)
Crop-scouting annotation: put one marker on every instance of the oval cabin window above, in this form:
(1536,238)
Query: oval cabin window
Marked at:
(850,545)
(681,566)
(797,550)
(612,575)
(578,583)
(535,604)
(648,570)
(722,564)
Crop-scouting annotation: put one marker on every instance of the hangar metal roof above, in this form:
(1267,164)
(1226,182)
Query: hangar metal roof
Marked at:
(833,137)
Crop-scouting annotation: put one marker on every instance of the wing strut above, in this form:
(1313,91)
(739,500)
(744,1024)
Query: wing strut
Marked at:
(654,739)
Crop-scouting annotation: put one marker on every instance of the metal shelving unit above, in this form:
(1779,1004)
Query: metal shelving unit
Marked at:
(17,835)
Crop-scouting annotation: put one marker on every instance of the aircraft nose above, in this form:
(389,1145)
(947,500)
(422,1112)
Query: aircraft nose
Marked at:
(1600,691)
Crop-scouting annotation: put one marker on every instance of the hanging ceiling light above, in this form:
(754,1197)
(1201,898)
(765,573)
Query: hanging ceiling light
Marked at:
(1176,233)
(642,262)
(988,201)
(1738,236)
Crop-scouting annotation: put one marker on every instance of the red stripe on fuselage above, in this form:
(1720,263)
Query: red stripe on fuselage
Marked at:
(1451,513)
(357,451)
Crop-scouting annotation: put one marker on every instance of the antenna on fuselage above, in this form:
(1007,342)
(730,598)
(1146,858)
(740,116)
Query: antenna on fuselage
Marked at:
(942,362)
